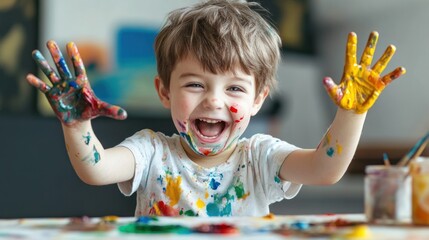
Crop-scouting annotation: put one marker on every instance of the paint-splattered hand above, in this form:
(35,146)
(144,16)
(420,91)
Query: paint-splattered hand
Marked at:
(360,84)
(71,97)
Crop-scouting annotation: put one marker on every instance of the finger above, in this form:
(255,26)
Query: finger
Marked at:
(79,68)
(332,89)
(368,53)
(36,82)
(44,65)
(350,101)
(384,60)
(399,71)
(112,111)
(61,64)
(351,52)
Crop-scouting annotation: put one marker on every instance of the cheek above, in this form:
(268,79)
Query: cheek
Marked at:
(180,112)
(239,115)
(182,107)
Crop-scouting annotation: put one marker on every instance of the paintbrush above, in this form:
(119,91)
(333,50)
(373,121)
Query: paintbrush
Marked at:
(416,151)
(386,160)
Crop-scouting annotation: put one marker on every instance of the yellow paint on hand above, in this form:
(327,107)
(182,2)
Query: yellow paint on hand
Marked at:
(339,148)
(173,189)
(362,84)
(328,138)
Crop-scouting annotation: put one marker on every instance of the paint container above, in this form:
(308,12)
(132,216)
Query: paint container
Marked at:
(387,194)
(420,190)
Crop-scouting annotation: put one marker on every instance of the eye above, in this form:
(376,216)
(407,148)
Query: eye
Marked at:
(236,89)
(194,85)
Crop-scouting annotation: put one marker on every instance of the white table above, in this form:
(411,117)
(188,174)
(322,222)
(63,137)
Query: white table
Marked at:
(247,228)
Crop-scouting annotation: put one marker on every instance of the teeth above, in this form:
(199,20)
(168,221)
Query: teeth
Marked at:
(209,120)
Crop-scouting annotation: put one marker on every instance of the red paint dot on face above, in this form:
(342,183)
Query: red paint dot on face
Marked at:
(233,109)
(206,152)
(237,121)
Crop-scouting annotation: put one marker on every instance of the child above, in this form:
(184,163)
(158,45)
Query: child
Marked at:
(217,62)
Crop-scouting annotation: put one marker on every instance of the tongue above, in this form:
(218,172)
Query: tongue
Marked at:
(210,129)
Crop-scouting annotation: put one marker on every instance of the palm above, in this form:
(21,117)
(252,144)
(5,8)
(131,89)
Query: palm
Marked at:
(361,84)
(71,97)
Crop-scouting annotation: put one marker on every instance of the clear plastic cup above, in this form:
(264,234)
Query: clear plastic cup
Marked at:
(387,194)
(420,191)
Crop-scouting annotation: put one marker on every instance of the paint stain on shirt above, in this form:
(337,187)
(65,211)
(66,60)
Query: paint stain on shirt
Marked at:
(200,203)
(213,184)
(173,189)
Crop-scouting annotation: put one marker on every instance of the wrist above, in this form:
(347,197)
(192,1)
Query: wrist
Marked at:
(77,125)
(350,113)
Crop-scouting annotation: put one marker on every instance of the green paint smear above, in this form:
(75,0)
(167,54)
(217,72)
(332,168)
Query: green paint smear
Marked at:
(216,208)
(277,179)
(239,190)
(151,229)
(97,156)
(87,138)
(188,213)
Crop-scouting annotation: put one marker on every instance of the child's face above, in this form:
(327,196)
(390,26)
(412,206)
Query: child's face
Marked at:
(210,111)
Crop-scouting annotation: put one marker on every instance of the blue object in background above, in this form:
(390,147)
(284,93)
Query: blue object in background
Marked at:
(135,46)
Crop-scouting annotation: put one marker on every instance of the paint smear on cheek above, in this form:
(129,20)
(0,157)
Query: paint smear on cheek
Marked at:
(182,125)
(235,109)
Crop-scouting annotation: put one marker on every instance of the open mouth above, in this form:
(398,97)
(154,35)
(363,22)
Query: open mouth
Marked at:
(209,129)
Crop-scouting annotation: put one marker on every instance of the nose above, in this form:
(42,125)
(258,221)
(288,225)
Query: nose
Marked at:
(213,100)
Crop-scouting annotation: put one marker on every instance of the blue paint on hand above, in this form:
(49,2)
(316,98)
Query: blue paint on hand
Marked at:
(330,152)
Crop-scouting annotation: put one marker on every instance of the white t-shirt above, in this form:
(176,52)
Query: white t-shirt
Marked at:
(168,183)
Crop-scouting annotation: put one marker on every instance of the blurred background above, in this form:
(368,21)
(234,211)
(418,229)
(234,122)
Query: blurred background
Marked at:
(115,40)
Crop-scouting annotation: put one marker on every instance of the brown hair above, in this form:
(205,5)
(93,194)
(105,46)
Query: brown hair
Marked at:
(221,34)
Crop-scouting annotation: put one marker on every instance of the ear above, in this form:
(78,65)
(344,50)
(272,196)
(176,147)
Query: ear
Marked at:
(163,92)
(259,100)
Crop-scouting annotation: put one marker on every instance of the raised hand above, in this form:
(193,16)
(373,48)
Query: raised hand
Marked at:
(361,84)
(71,97)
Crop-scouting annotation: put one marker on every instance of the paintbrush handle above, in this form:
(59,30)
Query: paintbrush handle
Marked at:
(418,153)
(412,152)
(415,151)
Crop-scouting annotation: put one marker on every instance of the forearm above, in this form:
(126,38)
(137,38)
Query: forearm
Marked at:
(328,162)
(338,146)
(94,164)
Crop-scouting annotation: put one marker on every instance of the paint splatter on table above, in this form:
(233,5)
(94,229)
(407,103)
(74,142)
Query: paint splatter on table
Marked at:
(349,226)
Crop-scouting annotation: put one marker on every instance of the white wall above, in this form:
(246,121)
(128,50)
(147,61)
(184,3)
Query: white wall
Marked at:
(401,115)
(306,118)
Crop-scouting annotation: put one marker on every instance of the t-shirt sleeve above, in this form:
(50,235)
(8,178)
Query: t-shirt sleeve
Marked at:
(269,154)
(141,144)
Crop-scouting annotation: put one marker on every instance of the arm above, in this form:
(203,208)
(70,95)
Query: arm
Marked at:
(75,104)
(359,89)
